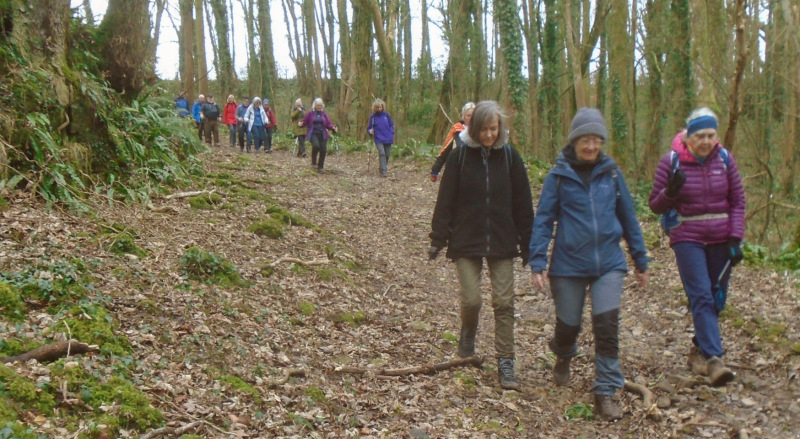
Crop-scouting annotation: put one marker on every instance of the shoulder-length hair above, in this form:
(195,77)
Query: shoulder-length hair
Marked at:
(485,112)
(318,101)
(378,103)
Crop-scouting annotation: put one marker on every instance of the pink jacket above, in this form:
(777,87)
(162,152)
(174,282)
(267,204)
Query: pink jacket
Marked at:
(712,187)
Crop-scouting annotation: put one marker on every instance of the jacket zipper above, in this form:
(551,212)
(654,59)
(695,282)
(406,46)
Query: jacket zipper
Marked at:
(596,228)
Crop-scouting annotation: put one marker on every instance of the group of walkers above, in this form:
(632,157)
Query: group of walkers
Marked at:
(484,211)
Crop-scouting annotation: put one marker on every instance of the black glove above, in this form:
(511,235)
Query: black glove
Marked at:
(675,183)
(735,251)
(433,252)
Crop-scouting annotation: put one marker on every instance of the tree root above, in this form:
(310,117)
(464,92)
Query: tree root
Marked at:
(287,373)
(161,209)
(187,194)
(648,400)
(427,369)
(52,351)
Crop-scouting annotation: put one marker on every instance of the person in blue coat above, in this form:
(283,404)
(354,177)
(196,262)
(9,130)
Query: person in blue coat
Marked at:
(381,128)
(196,109)
(182,105)
(586,194)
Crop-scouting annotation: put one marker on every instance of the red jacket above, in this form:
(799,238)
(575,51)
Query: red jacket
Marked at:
(273,121)
(229,114)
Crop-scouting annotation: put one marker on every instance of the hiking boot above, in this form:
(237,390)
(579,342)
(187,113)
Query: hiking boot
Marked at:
(505,373)
(697,363)
(606,409)
(718,373)
(561,370)
(466,344)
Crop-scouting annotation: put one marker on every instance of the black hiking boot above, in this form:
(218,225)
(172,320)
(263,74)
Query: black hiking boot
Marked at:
(505,373)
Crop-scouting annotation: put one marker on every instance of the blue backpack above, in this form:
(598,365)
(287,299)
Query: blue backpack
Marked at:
(671,219)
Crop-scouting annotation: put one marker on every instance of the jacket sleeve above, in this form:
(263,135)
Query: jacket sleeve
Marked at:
(247,114)
(542,233)
(328,123)
(736,199)
(371,122)
(442,158)
(523,202)
(445,204)
(631,231)
(659,202)
(391,124)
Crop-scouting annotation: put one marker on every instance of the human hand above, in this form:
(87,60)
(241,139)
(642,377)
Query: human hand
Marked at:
(735,251)
(300,123)
(675,183)
(371,132)
(433,252)
(539,279)
(434,177)
(642,278)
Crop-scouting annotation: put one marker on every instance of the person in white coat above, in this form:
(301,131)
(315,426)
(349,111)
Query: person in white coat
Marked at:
(256,120)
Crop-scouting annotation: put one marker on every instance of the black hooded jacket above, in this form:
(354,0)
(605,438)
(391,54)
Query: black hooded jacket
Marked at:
(484,207)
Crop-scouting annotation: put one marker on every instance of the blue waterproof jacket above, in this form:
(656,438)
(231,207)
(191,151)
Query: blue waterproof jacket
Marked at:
(196,109)
(591,222)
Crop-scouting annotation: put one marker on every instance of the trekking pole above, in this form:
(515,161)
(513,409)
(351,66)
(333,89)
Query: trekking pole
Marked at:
(720,295)
(294,150)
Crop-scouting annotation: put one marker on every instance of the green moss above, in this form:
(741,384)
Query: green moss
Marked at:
(91,323)
(306,308)
(351,318)
(15,346)
(125,243)
(465,380)
(205,201)
(204,266)
(22,395)
(269,228)
(579,411)
(16,430)
(3,204)
(288,218)
(134,409)
(327,274)
(316,394)
(11,305)
(450,337)
(240,385)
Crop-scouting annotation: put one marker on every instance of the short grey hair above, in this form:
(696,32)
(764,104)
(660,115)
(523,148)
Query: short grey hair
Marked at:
(468,106)
(298,101)
(318,101)
(700,112)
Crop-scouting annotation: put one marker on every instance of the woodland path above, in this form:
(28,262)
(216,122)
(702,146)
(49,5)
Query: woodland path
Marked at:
(404,311)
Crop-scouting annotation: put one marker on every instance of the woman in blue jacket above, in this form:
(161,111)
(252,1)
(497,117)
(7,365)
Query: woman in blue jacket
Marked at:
(586,193)
(381,127)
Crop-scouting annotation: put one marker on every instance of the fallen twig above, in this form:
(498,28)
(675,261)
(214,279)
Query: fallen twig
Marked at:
(299,261)
(187,194)
(161,209)
(52,351)
(648,400)
(427,369)
(172,431)
(287,373)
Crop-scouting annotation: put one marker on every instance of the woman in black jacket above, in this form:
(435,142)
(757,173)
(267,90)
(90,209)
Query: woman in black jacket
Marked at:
(484,210)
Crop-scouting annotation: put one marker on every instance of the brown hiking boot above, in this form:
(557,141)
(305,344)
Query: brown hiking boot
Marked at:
(697,363)
(561,370)
(606,409)
(718,373)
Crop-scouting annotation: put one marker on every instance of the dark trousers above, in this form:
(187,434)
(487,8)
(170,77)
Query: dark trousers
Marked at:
(212,132)
(301,144)
(200,129)
(319,145)
(268,138)
(242,132)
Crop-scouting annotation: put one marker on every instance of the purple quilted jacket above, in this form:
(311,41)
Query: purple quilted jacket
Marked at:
(710,189)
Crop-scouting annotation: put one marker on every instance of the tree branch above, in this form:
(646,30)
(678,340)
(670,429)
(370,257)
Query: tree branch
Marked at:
(52,351)
(427,369)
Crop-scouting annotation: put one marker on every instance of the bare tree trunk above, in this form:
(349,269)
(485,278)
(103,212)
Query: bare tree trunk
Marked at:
(160,6)
(620,61)
(424,64)
(362,28)
(124,36)
(187,50)
(531,32)
(253,85)
(346,92)
(265,52)
(200,48)
(507,16)
(574,57)
(655,22)
(741,62)
(213,38)
(312,55)
(791,153)
(225,77)
(87,11)
(388,60)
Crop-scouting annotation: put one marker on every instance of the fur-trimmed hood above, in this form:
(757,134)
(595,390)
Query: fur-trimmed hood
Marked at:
(472,143)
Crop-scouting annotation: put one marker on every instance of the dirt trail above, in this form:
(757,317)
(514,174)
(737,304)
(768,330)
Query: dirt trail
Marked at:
(380,303)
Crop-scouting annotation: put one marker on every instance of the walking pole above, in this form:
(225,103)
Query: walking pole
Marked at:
(720,295)
(294,150)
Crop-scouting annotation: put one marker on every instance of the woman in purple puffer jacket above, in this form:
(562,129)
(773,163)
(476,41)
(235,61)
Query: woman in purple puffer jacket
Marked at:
(706,189)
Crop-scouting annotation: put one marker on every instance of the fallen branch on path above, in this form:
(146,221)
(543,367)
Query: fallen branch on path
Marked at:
(648,400)
(291,260)
(188,194)
(427,369)
(287,373)
(53,351)
(171,431)
(161,209)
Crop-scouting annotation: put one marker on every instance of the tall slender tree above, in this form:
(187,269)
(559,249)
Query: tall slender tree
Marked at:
(226,75)
(200,48)
(265,49)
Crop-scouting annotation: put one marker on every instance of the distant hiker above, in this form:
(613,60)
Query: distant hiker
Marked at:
(210,114)
(381,128)
(256,120)
(585,193)
(182,105)
(484,210)
(466,115)
(272,126)
(297,115)
(229,119)
(699,178)
(198,105)
(241,128)
(317,124)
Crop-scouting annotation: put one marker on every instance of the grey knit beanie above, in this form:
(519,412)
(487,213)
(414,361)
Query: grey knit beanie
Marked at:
(587,121)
